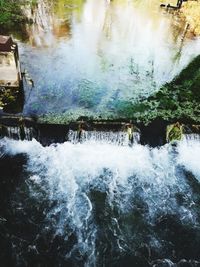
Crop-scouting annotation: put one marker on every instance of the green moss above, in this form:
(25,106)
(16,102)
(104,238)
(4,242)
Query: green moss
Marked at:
(11,100)
(178,100)
(174,132)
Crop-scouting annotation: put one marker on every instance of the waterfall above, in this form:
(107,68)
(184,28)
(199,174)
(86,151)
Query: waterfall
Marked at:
(28,133)
(117,138)
(192,136)
(19,133)
(99,195)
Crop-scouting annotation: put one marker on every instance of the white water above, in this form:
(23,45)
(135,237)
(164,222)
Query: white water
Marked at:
(14,132)
(189,153)
(68,172)
(110,137)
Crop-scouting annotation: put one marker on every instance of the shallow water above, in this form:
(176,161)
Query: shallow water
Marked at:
(92,204)
(88,57)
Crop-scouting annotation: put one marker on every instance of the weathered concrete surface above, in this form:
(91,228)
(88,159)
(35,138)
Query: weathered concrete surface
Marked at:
(11,84)
(8,70)
(9,63)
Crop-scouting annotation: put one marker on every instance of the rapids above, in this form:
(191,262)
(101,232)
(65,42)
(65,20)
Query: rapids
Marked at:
(95,203)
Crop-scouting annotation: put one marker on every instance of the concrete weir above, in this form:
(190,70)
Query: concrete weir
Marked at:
(115,132)
(26,128)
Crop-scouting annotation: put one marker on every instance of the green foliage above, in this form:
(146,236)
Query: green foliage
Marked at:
(10,13)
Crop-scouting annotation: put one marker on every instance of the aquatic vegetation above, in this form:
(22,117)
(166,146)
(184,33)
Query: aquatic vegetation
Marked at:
(177,100)
(88,94)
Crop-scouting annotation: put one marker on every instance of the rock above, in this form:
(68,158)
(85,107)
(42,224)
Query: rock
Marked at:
(144,251)
(132,261)
(163,263)
(194,263)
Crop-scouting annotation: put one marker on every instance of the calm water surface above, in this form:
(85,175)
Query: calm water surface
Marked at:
(86,56)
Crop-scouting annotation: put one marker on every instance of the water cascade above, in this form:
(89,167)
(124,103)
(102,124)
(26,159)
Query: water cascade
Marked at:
(28,133)
(18,133)
(117,138)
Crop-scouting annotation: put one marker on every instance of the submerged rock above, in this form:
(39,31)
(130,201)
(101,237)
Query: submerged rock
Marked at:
(184,263)
(163,263)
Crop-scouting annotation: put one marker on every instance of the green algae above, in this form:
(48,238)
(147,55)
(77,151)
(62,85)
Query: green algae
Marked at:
(88,94)
(178,100)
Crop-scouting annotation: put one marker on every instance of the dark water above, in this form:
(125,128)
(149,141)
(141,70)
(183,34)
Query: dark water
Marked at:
(86,58)
(99,204)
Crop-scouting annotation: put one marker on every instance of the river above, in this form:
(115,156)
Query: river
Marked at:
(86,56)
(99,201)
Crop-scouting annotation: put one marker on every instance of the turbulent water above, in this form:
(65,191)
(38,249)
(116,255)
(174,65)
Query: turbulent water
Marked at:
(96,203)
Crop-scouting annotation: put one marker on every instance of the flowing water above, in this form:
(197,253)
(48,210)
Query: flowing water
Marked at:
(87,58)
(97,200)
(97,203)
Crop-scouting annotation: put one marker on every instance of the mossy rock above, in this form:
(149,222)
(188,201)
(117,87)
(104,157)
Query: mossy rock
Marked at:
(174,133)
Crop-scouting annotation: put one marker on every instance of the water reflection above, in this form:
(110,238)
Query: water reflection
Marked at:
(46,26)
(86,55)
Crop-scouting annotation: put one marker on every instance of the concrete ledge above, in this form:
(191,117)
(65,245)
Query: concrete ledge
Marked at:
(27,128)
